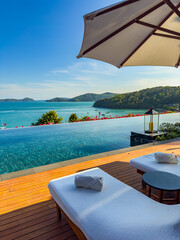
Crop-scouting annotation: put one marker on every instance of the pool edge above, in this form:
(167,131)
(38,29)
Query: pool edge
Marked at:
(21,173)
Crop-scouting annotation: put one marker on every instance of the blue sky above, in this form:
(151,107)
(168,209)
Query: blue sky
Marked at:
(39,42)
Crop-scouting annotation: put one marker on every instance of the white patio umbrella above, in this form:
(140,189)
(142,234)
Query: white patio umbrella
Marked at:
(134,33)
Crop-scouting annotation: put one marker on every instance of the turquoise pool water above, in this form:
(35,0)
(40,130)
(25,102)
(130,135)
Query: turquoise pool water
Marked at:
(25,148)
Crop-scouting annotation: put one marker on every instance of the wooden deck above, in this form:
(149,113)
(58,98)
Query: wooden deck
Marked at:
(27,210)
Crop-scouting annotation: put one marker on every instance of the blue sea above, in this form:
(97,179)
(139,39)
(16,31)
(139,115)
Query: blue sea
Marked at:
(24,113)
(24,148)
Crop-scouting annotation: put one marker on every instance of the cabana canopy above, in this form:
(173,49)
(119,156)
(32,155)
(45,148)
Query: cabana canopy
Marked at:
(134,33)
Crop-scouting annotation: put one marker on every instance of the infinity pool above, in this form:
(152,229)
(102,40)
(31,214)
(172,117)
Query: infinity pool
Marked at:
(25,148)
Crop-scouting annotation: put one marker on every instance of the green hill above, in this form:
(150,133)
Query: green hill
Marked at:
(17,100)
(57,100)
(155,97)
(92,97)
(88,97)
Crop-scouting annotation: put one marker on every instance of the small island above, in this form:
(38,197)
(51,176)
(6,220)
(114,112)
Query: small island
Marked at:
(88,97)
(57,99)
(159,97)
(17,100)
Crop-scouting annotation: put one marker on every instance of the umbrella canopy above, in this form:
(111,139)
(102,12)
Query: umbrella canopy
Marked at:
(134,33)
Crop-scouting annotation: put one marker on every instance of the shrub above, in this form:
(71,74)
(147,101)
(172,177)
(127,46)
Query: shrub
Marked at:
(171,108)
(171,135)
(169,127)
(85,118)
(161,138)
(73,118)
(173,131)
(177,124)
(158,138)
(47,118)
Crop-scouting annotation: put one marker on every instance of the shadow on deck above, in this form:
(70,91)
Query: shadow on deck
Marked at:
(39,221)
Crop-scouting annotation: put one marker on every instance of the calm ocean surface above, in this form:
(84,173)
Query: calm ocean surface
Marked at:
(24,113)
(24,148)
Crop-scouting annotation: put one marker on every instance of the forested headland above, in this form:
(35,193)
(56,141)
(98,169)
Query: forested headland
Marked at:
(157,97)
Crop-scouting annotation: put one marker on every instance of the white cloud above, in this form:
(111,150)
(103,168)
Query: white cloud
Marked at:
(84,78)
(41,90)
(59,71)
(92,76)
(36,92)
(150,82)
(85,67)
(161,70)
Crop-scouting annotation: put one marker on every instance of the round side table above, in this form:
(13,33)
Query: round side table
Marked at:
(163,181)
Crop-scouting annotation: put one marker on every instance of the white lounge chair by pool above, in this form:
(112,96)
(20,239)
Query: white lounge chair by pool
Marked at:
(117,212)
(147,163)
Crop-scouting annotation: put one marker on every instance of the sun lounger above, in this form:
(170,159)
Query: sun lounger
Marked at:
(117,212)
(147,163)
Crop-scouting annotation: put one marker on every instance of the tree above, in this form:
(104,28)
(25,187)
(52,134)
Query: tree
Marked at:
(48,117)
(73,118)
(143,99)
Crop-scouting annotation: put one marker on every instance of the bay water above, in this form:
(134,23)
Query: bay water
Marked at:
(25,113)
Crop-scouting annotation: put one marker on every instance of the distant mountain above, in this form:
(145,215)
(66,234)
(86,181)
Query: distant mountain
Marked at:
(156,97)
(17,100)
(88,97)
(92,97)
(57,100)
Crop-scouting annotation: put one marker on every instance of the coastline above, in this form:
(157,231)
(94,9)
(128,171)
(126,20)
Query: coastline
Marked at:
(25,113)
(87,120)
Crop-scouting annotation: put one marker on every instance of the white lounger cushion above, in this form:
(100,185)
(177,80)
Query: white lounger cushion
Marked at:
(148,163)
(118,212)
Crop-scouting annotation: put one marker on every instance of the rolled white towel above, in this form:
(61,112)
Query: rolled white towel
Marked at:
(165,158)
(90,182)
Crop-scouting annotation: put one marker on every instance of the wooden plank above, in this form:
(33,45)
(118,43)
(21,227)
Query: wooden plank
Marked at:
(12,216)
(27,221)
(28,211)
